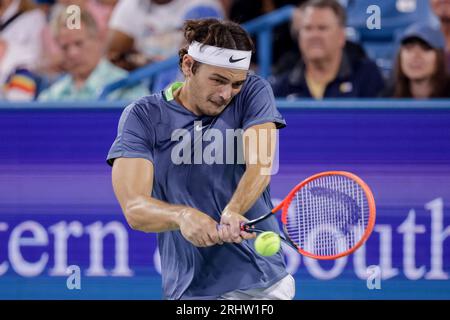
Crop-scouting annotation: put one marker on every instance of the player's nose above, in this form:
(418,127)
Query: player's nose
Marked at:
(225,92)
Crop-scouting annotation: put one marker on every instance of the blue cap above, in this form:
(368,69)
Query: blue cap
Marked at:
(428,34)
(202,11)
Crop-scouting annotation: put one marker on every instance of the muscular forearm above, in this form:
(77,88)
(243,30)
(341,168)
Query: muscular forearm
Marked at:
(250,188)
(151,215)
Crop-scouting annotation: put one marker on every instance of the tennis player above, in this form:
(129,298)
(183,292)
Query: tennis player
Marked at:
(196,201)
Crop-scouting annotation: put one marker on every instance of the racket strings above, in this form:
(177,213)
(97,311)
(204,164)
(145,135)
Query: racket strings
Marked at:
(328,216)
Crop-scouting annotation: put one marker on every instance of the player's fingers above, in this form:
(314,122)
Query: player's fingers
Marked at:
(237,239)
(213,235)
(235,228)
(196,242)
(226,234)
(207,242)
(237,236)
(202,239)
(247,235)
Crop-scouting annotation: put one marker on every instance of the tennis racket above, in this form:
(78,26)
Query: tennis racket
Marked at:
(327,216)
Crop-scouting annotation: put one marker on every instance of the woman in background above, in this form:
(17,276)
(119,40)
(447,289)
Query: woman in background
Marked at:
(420,71)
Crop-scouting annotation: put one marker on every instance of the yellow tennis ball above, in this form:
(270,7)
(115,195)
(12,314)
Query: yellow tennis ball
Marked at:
(267,243)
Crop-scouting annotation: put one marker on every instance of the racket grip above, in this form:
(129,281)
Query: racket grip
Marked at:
(245,226)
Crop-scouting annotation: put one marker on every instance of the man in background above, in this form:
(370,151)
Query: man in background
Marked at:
(87,71)
(326,70)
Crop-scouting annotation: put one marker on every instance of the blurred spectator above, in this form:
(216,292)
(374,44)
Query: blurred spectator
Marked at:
(442,10)
(326,70)
(21,25)
(101,10)
(420,66)
(87,71)
(21,85)
(290,57)
(145,31)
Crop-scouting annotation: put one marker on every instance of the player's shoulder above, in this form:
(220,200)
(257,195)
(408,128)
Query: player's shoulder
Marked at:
(147,107)
(255,82)
(254,86)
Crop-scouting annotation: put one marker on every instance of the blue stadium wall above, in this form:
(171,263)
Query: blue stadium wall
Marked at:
(57,206)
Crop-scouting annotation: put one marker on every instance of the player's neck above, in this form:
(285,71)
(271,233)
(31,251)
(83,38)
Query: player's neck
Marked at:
(184,100)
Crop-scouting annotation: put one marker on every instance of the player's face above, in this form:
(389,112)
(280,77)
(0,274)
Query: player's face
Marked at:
(80,51)
(418,61)
(441,8)
(212,88)
(321,36)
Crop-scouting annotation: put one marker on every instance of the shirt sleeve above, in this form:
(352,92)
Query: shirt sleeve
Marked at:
(135,135)
(258,105)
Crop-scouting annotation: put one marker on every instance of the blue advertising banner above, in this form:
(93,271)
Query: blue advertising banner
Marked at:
(59,216)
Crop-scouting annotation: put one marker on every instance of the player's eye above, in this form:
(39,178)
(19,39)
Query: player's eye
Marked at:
(218,81)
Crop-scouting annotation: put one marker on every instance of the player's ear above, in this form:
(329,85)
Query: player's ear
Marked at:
(187,64)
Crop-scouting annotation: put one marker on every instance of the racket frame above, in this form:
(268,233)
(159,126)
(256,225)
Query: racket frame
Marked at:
(284,207)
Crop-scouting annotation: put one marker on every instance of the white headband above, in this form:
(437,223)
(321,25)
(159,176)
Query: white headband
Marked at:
(221,57)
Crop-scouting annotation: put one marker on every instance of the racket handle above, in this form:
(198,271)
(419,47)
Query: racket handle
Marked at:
(247,227)
(251,223)
(244,227)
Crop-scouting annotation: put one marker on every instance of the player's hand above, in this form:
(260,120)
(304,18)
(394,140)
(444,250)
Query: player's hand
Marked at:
(230,227)
(198,228)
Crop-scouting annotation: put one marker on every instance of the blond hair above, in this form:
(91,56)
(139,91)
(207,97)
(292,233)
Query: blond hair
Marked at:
(62,18)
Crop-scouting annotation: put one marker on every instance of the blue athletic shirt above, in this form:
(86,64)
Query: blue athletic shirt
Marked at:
(145,131)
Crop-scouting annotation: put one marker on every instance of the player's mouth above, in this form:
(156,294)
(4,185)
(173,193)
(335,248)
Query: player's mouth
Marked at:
(217,104)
